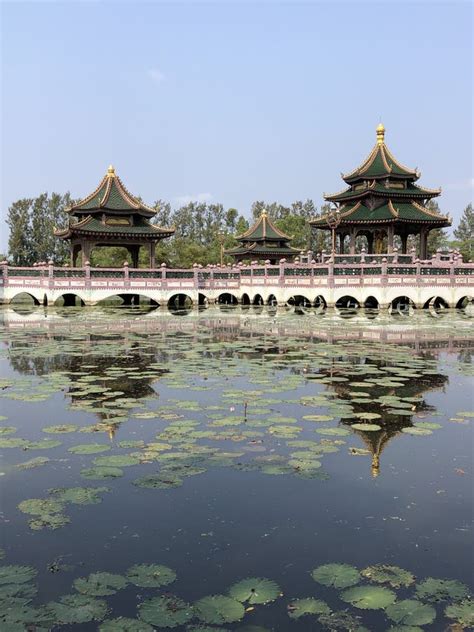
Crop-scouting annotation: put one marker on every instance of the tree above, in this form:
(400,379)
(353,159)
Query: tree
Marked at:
(464,233)
(20,246)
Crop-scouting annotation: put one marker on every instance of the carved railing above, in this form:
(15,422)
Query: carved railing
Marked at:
(359,270)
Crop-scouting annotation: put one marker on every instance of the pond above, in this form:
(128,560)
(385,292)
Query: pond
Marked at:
(235,469)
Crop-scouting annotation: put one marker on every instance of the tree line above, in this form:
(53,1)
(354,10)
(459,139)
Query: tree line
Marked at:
(202,230)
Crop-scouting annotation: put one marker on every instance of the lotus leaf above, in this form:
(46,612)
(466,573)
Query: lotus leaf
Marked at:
(16,574)
(405,628)
(341,620)
(386,574)
(219,609)
(302,607)
(369,597)
(13,442)
(122,624)
(6,430)
(336,575)
(411,612)
(63,428)
(44,444)
(100,584)
(48,521)
(166,611)
(462,612)
(150,575)
(116,460)
(433,589)
(341,432)
(158,481)
(37,461)
(367,427)
(77,609)
(318,417)
(79,495)
(40,506)
(100,473)
(255,590)
(17,616)
(202,627)
(89,448)
(18,591)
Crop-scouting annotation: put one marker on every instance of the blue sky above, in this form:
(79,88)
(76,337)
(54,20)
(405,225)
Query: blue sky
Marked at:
(232,102)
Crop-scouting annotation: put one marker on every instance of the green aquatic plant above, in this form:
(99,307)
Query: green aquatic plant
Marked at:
(158,481)
(15,574)
(341,620)
(89,448)
(301,607)
(219,609)
(387,574)
(336,575)
(411,612)
(255,590)
(116,460)
(13,442)
(40,506)
(123,624)
(150,575)
(166,611)
(369,597)
(77,609)
(413,430)
(63,428)
(367,427)
(6,430)
(336,432)
(101,473)
(462,612)
(100,584)
(43,444)
(432,589)
(49,521)
(37,461)
(79,495)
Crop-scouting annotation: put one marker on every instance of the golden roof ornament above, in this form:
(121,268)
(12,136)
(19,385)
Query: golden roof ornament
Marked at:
(111,171)
(380,134)
(264,213)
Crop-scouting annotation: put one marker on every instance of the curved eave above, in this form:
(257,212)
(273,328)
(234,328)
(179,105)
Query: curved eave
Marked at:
(390,166)
(249,234)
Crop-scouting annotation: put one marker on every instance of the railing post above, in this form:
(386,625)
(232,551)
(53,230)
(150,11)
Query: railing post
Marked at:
(195,277)
(395,255)
(163,274)
(126,275)
(281,277)
(418,269)
(330,265)
(50,274)
(4,265)
(87,275)
(362,255)
(384,278)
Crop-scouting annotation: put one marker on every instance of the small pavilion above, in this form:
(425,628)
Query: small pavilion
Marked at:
(264,241)
(382,200)
(111,216)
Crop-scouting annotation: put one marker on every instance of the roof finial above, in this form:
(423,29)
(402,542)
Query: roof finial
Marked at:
(380,134)
(264,212)
(111,171)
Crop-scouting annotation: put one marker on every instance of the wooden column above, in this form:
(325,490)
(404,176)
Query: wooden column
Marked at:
(370,243)
(423,243)
(404,238)
(390,232)
(353,240)
(152,254)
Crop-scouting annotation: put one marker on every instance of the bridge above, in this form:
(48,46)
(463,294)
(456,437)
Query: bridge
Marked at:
(377,281)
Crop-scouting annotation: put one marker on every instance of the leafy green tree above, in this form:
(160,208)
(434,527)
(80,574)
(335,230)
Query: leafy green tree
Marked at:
(20,247)
(464,233)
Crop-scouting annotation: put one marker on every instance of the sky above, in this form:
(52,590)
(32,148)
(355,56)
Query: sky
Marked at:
(232,102)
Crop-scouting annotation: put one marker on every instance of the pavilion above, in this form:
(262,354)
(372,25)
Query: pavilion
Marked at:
(111,216)
(263,241)
(381,201)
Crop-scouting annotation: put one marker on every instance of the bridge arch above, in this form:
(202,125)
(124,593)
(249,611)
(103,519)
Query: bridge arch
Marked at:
(203,301)
(438,302)
(25,297)
(320,302)
(69,299)
(272,300)
(347,302)
(226,298)
(298,300)
(245,300)
(257,300)
(402,304)
(463,302)
(180,301)
(371,303)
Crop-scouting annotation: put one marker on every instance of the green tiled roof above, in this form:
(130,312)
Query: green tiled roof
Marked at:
(391,212)
(256,249)
(411,190)
(263,229)
(112,195)
(91,224)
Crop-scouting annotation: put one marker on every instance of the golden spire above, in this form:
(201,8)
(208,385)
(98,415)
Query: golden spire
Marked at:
(111,171)
(264,213)
(380,134)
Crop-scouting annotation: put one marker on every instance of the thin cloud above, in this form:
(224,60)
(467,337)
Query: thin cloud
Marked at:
(198,197)
(156,75)
(464,185)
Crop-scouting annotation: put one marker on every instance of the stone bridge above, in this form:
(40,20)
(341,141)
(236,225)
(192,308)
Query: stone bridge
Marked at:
(342,281)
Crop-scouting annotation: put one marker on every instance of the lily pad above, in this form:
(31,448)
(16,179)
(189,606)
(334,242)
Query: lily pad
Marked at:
(413,430)
(116,460)
(15,574)
(255,590)
(77,609)
(89,448)
(158,481)
(44,444)
(79,495)
(100,584)
(367,427)
(411,612)
(386,574)
(101,473)
(462,612)
(369,597)
(39,506)
(37,461)
(336,575)
(341,620)
(302,607)
(123,624)
(166,611)
(339,432)
(219,609)
(150,575)
(433,590)
(63,428)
